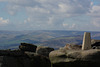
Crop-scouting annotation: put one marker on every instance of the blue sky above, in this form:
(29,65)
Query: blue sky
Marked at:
(82,15)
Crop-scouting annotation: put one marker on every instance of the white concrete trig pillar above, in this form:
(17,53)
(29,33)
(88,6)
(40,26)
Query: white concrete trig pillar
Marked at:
(86,41)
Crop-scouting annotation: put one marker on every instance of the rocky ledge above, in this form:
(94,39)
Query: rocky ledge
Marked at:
(74,57)
(25,56)
(29,55)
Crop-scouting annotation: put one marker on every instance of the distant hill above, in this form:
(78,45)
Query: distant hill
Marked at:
(62,41)
(52,38)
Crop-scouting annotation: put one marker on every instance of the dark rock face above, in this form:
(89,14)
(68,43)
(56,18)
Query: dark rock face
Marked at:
(25,56)
(15,53)
(27,47)
(44,50)
(73,58)
(95,44)
(8,61)
(39,61)
(26,59)
(76,64)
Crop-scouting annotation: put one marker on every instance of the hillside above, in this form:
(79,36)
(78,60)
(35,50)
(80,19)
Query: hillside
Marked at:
(53,38)
(62,41)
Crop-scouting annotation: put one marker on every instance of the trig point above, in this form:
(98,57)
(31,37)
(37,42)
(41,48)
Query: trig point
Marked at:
(86,41)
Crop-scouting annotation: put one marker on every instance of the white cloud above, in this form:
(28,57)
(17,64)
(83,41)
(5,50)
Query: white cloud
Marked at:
(68,7)
(21,2)
(27,20)
(65,25)
(50,20)
(15,6)
(63,8)
(68,26)
(2,0)
(96,22)
(3,22)
(13,9)
(36,10)
(95,15)
(73,26)
(74,7)
(54,12)
(95,11)
(44,13)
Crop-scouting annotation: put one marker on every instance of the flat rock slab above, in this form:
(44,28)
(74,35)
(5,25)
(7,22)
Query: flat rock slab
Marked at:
(77,57)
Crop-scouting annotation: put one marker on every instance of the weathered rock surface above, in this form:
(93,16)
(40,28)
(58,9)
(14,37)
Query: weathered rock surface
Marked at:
(94,41)
(95,44)
(72,47)
(27,47)
(20,59)
(73,58)
(42,50)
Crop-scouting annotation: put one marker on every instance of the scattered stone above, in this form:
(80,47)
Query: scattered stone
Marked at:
(27,47)
(42,50)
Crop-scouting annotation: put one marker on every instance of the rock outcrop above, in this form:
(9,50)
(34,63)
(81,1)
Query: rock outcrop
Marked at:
(20,59)
(42,50)
(73,58)
(95,44)
(13,53)
(29,55)
(25,56)
(72,47)
(94,41)
(27,47)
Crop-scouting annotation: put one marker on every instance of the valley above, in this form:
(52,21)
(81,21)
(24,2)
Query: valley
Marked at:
(51,38)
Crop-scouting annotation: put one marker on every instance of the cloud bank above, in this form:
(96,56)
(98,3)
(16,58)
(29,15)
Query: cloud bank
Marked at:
(56,14)
(3,21)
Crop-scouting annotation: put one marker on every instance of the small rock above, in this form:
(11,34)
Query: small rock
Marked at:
(44,50)
(27,47)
